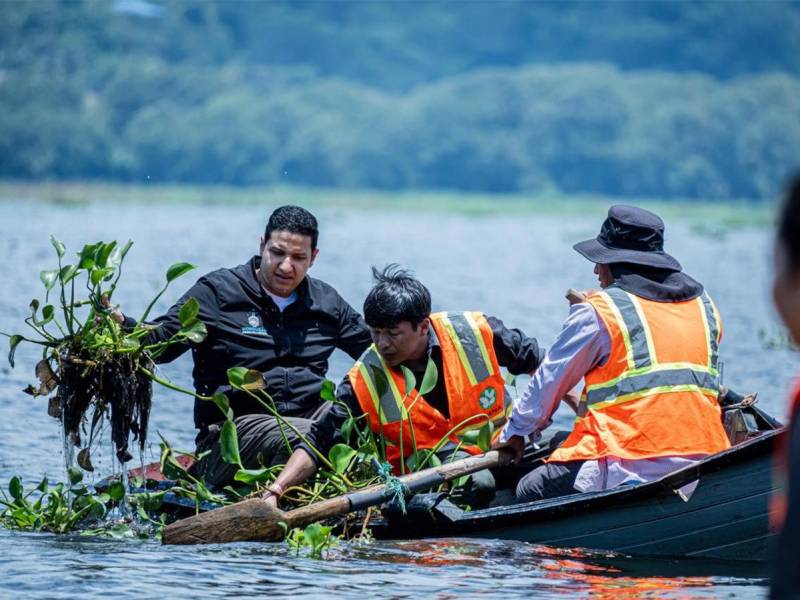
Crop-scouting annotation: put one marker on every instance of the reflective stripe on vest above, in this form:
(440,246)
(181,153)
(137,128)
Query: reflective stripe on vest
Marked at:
(385,396)
(469,344)
(645,375)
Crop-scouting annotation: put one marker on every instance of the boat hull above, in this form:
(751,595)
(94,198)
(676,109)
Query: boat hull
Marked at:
(726,517)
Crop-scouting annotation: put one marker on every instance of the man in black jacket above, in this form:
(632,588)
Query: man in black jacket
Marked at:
(266,315)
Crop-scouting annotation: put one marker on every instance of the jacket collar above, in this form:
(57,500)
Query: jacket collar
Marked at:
(659,285)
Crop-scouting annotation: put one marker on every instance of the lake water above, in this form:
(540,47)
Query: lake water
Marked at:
(515,267)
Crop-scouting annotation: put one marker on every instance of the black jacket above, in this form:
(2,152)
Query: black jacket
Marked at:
(246,329)
(514,350)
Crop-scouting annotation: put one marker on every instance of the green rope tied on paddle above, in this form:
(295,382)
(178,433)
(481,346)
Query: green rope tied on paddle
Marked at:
(395,491)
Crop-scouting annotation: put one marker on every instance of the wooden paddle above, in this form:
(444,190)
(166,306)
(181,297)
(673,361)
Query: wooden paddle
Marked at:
(255,520)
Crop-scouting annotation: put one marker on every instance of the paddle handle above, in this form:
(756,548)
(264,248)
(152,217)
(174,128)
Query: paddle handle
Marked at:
(255,520)
(415,482)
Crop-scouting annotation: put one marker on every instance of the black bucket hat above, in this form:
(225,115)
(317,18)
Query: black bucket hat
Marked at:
(629,235)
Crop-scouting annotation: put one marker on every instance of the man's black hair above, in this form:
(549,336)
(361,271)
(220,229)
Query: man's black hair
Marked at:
(293,219)
(397,296)
(789,224)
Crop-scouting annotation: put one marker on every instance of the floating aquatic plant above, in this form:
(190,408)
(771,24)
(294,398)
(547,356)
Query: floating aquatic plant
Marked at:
(91,366)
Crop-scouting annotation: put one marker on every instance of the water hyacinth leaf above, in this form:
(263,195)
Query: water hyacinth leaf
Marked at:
(87,255)
(221,400)
(85,460)
(103,253)
(15,488)
(229,444)
(236,376)
(68,273)
(328,390)
(13,342)
(75,476)
(118,255)
(251,476)
(177,270)
(243,378)
(340,456)
(196,332)
(98,275)
(379,377)
(49,278)
(429,379)
(60,248)
(189,311)
(347,429)
(43,485)
(34,306)
(117,491)
(485,436)
(48,312)
(410,380)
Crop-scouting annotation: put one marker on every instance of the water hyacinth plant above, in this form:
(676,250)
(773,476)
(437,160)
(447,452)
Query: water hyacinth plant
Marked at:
(91,366)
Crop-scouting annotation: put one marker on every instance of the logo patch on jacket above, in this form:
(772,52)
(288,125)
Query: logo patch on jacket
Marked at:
(487,398)
(254,324)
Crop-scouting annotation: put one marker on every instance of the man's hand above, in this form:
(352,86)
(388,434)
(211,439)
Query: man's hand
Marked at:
(516,443)
(113,311)
(574,296)
(272,494)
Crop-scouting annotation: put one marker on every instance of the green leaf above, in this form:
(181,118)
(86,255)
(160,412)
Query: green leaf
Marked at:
(347,429)
(379,377)
(429,379)
(118,255)
(75,476)
(49,278)
(243,378)
(42,487)
(99,275)
(340,456)
(87,255)
(13,342)
(411,381)
(48,312)
(103,253)
(229,444)
(196,332)
(177,270)
(68,273)
(60,248)
(251,476)
(189,311)
(485,436)
(328,391)
(221,400)
(15,488)
(117,491)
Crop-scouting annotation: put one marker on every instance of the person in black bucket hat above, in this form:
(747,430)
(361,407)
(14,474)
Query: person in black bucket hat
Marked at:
(646,346)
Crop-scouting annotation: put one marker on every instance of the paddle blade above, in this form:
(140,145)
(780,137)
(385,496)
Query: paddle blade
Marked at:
(250,520)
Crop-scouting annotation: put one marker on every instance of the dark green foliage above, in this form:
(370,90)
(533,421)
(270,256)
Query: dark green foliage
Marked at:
(689,99)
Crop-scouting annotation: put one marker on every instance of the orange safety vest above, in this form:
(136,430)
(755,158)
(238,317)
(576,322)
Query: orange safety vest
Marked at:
(474,384)
(778,505)
(657,394)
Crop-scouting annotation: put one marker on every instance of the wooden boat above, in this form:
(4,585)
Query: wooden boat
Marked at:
(724,517)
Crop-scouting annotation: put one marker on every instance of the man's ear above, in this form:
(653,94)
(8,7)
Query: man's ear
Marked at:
(261,245)
(314,253)
(424,326)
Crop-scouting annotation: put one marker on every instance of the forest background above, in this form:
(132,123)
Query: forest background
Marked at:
(645,99)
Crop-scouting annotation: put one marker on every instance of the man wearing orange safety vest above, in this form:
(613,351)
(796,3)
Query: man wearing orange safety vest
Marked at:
(647,349)
(428,382)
